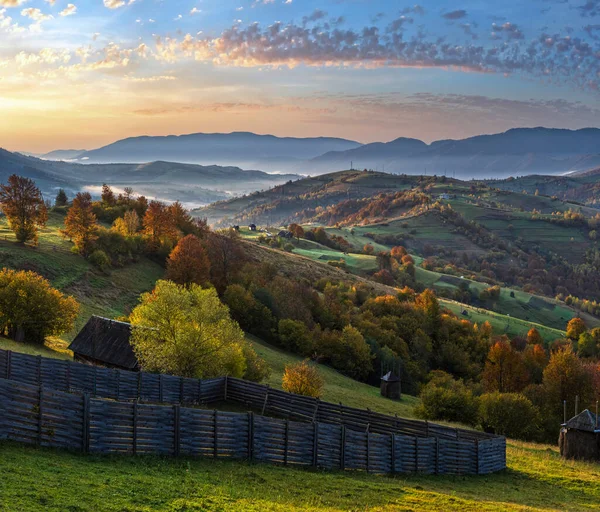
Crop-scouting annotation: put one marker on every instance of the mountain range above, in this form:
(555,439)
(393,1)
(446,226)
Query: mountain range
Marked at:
(516,152)
(194,185)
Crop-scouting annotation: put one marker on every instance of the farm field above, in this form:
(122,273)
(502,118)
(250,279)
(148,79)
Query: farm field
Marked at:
(35,479)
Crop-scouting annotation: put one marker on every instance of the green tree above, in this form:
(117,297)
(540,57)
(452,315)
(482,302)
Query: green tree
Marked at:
(31,310)
(508,414)
(61,198)
(187,332)
(295,337)
(24,207)
(353,356)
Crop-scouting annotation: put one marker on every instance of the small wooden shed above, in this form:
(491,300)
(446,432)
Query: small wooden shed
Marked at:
(580,437)
(105,342)
(390,386)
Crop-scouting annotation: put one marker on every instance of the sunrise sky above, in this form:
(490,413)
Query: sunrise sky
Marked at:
(81,74)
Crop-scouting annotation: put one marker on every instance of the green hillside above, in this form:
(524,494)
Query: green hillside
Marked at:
(109,294)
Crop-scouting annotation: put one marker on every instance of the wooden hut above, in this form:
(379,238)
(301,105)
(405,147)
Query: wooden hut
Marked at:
(580,437)
(105,342)
(390,385)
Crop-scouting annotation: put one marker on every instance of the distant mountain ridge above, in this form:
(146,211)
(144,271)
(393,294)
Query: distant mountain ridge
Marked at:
(518,151)
(193,184)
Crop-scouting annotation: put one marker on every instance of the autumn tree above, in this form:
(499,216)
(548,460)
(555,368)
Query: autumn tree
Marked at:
(61,198)
(504,369)
(575,328)
(24,207)
(368,249)
(303,378)
(108,196)
(226,257)
(80,223)
(31,310)
(297,230)
(128,225)
(565,378)
(534,337)
(188,263)
(187,331)
(159,224)
(182,220)
(398,252)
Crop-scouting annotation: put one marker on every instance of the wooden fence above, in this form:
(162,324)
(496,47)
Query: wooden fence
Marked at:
(72,405)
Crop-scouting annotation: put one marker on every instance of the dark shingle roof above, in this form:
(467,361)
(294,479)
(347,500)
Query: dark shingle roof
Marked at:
(585,420)
(106,341)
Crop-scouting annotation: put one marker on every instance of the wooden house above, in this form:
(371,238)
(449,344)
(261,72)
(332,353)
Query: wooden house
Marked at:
(105,342)
(390,386)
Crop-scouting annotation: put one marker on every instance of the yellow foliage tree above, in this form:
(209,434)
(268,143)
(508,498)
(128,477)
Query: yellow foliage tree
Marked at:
(303,379)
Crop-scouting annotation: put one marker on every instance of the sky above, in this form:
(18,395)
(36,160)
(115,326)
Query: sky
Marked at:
(79,74)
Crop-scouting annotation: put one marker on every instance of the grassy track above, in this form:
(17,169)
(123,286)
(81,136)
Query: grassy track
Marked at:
(47,480)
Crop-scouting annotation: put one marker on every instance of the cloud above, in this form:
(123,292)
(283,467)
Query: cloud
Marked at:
(68,10)
(590,9)
(455,15)
(511,30)
(556,58)
(35,14)
(11,3)
(114,4)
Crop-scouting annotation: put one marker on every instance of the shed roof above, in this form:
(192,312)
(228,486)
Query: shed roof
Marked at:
(585,420)
(390,377)
(106,341)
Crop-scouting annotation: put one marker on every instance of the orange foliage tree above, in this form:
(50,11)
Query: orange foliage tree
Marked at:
(159,224)
(80,223)
(504,369)
(575,328)
(23,204)
(534,337)
(188,263)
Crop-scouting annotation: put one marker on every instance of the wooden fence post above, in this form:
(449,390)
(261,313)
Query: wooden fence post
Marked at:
(315,444)
(199,391)
(416,454)
(8,364)
(437,455)
(160,388)
(40,414)
(393,449)
(286,441)
(317,402)
(477,454)
(85,448)
(180,390)
(343,449)
(251,435)
(265,402)
(368,446)
(69,365)
(176,429)
(215,448)
(225,393)
(139,385)
(39,369)
(135,417)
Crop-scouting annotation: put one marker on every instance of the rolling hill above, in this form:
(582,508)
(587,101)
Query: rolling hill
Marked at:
(192,184)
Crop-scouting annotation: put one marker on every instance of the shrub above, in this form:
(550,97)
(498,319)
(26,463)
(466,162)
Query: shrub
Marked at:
(288,247)
(303,379)
(295,336)
(99,259)
(444,398)
(257,368)
(508,414)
